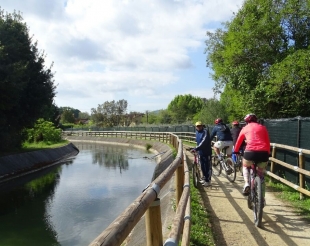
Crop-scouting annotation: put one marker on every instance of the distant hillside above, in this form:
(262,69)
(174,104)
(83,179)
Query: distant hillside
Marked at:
(155,111)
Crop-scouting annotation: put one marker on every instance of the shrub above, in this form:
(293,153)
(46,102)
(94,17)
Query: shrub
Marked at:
(43,131)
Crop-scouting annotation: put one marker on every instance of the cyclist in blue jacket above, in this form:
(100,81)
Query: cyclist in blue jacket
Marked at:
(204,150)
(224,138)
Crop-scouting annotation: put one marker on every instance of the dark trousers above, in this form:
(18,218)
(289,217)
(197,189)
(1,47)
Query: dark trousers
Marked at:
(206,167)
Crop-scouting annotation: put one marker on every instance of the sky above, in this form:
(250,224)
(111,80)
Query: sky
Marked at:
(143,51)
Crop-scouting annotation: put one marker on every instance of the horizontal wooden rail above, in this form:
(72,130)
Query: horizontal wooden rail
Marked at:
(288,183)
(289,166)
(298,150)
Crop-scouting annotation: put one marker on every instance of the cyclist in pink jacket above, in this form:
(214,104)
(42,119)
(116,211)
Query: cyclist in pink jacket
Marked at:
(257,149)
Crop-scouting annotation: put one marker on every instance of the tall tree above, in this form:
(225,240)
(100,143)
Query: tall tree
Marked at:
(212,110)
(67,116)
(255,52)
(110,113)
(184,107)
(26,86)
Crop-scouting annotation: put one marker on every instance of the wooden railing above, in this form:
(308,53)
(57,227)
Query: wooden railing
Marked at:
(299,168)
(148,202)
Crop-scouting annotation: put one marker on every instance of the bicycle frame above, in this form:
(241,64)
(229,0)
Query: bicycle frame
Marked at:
(255,198)
(196,170)
(227,164)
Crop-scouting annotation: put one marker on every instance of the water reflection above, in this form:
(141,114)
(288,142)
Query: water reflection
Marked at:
(70,204)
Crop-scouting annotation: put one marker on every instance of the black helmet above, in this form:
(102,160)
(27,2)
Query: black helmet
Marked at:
(250,118)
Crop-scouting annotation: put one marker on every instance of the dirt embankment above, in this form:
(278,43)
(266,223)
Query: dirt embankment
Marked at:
(232,221)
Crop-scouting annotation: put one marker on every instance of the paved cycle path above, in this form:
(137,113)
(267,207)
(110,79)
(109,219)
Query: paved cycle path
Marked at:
(232,221)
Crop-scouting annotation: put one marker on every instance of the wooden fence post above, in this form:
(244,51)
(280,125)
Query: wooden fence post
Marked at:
(154,235)
(301,164)
(272,166)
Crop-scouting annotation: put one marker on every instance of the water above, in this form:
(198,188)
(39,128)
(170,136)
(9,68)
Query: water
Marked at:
(72,203)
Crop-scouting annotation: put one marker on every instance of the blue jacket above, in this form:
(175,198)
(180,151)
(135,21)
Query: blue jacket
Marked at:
(203,142)
(222,132)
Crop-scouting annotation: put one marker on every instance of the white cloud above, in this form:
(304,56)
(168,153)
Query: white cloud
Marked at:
(114,49)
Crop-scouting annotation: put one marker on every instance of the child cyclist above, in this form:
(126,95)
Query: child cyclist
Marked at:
(257,149)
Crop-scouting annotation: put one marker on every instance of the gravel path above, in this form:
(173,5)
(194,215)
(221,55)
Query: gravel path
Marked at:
(232,221)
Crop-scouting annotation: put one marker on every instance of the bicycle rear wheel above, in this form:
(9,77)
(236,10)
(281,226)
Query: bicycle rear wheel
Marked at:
(216,166)
(231,171)
(257,202)
(239,165)
(195,175)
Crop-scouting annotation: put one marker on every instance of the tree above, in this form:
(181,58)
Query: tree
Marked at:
(211,110)
(183,107)
(255,51)
(67,116)
(27,87)
(110,113)
(84,115)
(165,117)
(74,111)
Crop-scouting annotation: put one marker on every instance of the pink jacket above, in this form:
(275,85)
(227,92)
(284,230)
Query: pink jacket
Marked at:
(256,136)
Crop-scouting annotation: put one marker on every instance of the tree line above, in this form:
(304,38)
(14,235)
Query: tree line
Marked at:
(260,59)
(260,63)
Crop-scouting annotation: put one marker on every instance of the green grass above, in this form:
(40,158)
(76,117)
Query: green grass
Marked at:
(42,145)
(27,147)
(291,196)
(201,233)
(148,146)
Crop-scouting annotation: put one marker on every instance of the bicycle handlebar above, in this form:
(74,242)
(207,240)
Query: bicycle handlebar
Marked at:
(191,149)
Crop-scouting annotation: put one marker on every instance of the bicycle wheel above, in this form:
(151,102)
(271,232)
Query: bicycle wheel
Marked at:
(216,166)
(231,170)
(257,202)
(194,175)
(250,204)
(239,165)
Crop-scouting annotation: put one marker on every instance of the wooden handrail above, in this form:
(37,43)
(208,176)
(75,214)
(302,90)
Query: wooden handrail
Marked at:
(177,224)
(299,169)
(288,183)
(289,166)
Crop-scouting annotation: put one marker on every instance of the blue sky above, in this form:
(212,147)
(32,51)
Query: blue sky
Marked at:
(143,51)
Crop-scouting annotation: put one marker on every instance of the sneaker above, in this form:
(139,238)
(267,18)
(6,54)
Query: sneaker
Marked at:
(201,181)
(246,190)
(206,184)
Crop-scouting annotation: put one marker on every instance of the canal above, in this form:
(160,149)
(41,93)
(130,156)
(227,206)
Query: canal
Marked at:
(71,203)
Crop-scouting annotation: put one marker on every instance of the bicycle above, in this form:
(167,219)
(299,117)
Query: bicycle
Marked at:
(255,198)
(196,168)
(226,163)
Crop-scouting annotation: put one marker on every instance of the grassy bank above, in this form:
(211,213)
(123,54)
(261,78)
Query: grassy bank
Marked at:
(26,147)
(42,145)
(291,196)
(201,232)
